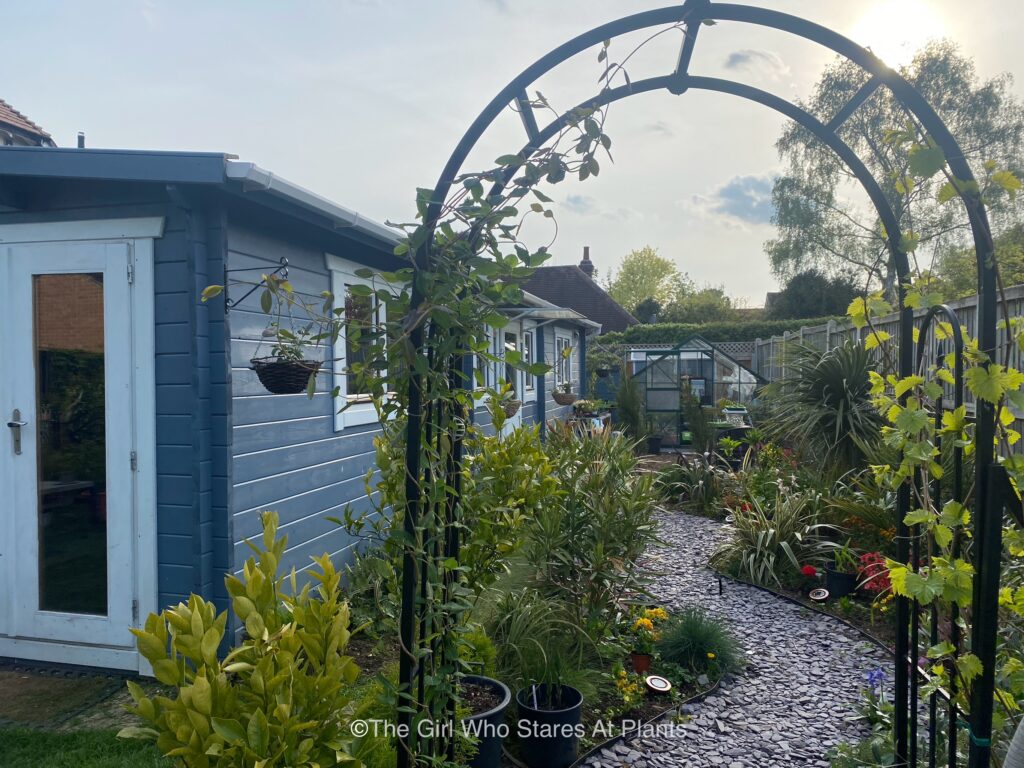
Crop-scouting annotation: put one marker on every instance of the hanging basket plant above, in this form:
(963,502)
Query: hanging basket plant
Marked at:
(511,407)
(284,377)
(564,397)
(287,370)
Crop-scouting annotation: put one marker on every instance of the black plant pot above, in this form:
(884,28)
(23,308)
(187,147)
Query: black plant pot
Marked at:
(486,725)
(840,584)
(549,738)
(654,444)
(602,373)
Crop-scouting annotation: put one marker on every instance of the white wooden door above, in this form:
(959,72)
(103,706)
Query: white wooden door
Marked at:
(67,395)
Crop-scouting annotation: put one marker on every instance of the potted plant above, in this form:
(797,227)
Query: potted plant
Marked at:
(549,715)
(287,371)
(643,634)
(841,577)
(550,712)
(563,394)
(487,700)
(585,408)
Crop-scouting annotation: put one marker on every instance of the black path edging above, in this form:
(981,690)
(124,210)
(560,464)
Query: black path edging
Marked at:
(810,606)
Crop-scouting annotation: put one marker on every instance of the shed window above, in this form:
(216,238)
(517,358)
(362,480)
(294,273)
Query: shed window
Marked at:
(563,360)
(362,317)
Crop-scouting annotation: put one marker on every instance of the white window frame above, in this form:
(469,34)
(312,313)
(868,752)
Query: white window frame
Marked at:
(528,337)
(563,365)
(361,409)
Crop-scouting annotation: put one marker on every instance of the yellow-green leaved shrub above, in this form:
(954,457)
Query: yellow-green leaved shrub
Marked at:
(280,698)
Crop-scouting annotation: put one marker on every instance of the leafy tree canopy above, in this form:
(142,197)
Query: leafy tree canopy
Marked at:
(819,225)
(957,268)
(645,274)
(705,305)
(812,293)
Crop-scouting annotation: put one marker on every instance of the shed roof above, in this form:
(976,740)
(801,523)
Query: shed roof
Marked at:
(201,168)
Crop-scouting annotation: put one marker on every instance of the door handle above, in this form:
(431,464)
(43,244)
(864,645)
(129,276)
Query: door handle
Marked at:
(16,424)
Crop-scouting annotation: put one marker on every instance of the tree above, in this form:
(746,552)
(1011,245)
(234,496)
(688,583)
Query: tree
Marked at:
(957,268)
(705,305)
(819,227)
(812,293)
(644,274)
(647,311)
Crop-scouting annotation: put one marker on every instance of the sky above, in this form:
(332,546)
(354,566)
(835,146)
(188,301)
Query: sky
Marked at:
(362,101)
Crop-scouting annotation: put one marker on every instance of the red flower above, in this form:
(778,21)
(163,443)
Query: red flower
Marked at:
(873,573)
(809,570)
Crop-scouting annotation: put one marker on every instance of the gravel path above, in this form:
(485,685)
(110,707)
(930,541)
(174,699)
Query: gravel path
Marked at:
(799,693)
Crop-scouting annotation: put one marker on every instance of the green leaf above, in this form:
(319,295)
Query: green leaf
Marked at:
(208,646)
(229,729)
(258,733)
(876,338)
(1008,182)
(212,290)
(266,302)
(969,666)
(509,160)
(925,161)
(202,695)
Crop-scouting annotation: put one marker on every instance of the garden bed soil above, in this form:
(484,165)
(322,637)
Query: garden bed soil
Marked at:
(479,698)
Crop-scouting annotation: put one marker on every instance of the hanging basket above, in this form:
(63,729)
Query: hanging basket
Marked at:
(564,398)
(511,407)
(284,377)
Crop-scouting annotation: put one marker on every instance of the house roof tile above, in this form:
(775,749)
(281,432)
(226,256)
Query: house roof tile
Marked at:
(11,117)
(569,286)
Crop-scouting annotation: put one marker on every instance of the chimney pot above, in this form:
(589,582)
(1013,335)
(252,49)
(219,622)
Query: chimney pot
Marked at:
(587,265)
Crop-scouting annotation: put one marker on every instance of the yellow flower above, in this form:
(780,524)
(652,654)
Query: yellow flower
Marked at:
(643,624)
(656,613)
(711,655)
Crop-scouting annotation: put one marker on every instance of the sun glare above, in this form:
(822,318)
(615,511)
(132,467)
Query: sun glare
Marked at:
(896,29)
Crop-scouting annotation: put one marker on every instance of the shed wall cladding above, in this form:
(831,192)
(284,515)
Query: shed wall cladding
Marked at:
(551,332)
(191,425)
(286,454)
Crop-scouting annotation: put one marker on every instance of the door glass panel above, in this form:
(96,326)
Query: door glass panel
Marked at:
(71,440)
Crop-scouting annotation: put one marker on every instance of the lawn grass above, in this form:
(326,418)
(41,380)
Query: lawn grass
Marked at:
(24,748)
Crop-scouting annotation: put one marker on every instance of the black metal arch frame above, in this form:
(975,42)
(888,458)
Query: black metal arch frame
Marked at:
(693,13)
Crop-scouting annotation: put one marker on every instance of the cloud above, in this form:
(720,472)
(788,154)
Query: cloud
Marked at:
(661,128)
(759,61)
(580,204)
(741,202)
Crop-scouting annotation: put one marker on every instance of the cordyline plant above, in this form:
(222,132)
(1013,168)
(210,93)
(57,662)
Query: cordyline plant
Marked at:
(943,575)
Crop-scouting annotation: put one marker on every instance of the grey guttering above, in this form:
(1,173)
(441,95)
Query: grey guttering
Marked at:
(252,177)
(203,168)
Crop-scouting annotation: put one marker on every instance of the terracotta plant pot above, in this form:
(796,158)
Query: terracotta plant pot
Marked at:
(641,662)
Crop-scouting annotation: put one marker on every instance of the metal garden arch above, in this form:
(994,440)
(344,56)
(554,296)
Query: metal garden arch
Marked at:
(988,502)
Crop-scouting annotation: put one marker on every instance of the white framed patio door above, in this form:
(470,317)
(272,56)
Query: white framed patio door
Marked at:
(68,449)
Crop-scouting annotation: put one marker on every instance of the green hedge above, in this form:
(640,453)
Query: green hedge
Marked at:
(739,330)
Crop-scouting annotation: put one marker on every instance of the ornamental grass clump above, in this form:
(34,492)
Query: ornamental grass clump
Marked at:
(280,697)
(699,643)
(769,543)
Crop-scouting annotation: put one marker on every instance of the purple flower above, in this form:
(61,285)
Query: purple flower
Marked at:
(876,678)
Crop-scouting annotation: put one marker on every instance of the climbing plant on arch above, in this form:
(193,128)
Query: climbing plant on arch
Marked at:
(462,223)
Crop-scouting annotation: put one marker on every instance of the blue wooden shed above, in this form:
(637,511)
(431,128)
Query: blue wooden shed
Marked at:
(140,446)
